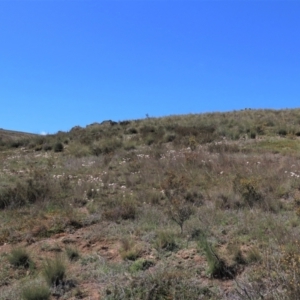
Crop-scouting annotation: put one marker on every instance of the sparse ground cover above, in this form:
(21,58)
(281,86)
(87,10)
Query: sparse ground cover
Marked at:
(185,207)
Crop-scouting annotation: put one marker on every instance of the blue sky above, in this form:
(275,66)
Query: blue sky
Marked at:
(65,63)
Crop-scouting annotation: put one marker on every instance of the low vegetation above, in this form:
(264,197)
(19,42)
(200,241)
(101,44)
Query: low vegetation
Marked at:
(182,207)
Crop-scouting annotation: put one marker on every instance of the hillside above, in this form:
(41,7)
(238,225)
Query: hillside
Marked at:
(202,206)
(9,136)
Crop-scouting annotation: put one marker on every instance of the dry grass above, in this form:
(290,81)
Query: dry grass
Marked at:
(149,191)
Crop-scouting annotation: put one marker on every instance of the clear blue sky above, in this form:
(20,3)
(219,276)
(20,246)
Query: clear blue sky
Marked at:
(65,63)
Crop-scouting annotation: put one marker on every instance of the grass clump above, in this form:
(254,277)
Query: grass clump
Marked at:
(217,267)
(248,189)
(130,250)
(19,257)
(34,189)
(253,255)
(72,253)
(106,146)
(163,284)
(54,271)
(141,265)
(290,263)
(58,147)
(36,292)
(124,209)
(165,240)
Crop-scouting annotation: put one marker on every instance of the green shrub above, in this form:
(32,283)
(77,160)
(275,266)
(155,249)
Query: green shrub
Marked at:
(15,144)
(282,132)
(34,189)
(290,265)
(79,150)
(131,130)
(165,240)
(149,140)
(91,193)
(129,250)
(194,197)
(192,143)
(170,137)
(253,255)
(37,189)
(223,148)
(8,197)
(179,212)
(248,189)
(38,148)
(58,147)
(36,292)
(107,146)
(146,129)
(203,133)
(130,145)
(72,253)
(125,209)
(54,271)
(20,258)
(47,147)
(161,285)
(141,265)
(217,267)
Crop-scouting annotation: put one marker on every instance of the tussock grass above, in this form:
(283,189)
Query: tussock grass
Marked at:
(36,292)
(54,271)
(19,257)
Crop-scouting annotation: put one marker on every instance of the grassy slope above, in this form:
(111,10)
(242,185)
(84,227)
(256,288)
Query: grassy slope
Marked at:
(181,207)
(12,135)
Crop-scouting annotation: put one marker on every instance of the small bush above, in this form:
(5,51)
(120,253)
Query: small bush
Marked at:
(47,147)
(36,292)
(290,264)
(72,253)
(179,212)
(130,145)
(149,140)
(58,147)
(162,284)
(165,240)
(282,132)
(20,258)
(54,271)
(228,201)
(130,250)
(79,150)
(170,138)
(192,143)
(141,265)
(19,143)
(32,190)
(145,130)
(6,195)
(223,148)
(125,209)
(131,130)
(248,189)
(217,267)
(38,148)
(106,146)
(253,255)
